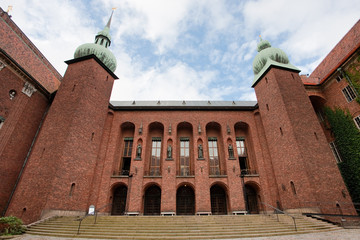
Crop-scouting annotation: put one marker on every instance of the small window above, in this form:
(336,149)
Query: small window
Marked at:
(349,93)
(2,120)
(335,152)
(357,121)
(339,77)
(293,187)
(72,187)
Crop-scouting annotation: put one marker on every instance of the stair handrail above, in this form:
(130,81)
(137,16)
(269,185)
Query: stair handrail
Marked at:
(97,210)
(87,214)
(278,210)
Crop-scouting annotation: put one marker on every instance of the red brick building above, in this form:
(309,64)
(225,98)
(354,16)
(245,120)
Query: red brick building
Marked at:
(65,147)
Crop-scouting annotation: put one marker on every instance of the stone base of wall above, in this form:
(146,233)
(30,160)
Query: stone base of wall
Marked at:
(53,212)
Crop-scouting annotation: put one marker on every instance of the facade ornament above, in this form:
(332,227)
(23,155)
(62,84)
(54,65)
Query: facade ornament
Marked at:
(228,129)
(2,65)
(200,152)
(138,151)
(231,151)
(199,128)
(28,89)
(140,129)
(169,152)
(12,94)
(170,129)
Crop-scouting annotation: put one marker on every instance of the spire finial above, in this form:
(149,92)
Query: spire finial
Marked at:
(109,22)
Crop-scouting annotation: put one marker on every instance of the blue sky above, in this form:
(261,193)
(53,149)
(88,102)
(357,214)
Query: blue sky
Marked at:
(186,49)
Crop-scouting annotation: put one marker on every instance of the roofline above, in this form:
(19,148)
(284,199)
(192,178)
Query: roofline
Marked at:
(340,63)
(28,75)
(267,69)
(96,59)
(7,19)
(183,108)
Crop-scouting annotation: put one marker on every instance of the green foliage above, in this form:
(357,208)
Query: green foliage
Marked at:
(347,140)
(11,226)
(354,76)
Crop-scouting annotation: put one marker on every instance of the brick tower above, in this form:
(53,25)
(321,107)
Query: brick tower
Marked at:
(67,148)
(304,167)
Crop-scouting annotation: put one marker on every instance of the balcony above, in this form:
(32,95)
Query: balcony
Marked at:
(185,173)
(153,173)
(217,173)
(249,172)
(124,173)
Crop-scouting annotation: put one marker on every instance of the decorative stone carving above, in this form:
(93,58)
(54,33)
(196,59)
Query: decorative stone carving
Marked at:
(169,152)
(138,151)
(231,151)
(200,152)
(28,89)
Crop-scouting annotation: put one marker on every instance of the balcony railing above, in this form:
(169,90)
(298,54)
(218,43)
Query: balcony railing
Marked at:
(217,172)
(154,173)
(121,173)
(185,173)
(245,172)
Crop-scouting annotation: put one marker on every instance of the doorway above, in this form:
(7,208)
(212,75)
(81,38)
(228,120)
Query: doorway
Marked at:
(152,201)
(251,199)
(185,201)
(218,200)
(119,200)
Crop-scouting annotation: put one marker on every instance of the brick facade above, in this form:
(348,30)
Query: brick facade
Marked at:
(80,156)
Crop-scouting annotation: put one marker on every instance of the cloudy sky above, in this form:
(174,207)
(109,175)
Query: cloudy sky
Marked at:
(186,49)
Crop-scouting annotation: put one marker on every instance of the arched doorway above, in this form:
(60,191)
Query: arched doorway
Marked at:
(251,199)
(185,201)
(218,200)
(152,201)
(119,200)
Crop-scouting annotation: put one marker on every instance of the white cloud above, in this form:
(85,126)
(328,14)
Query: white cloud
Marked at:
(168,82)
(304,29)
(186,49)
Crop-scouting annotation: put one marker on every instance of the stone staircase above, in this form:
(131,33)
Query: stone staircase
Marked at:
(177,227)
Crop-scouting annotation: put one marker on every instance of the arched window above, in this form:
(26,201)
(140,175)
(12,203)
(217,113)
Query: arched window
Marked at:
(293,187)
(72,187)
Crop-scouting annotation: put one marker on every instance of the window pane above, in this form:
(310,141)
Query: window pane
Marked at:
(184,158)
(213,155)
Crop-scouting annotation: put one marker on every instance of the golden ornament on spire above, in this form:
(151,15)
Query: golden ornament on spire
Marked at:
(9,9)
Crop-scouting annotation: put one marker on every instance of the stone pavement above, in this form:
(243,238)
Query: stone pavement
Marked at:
(343,234)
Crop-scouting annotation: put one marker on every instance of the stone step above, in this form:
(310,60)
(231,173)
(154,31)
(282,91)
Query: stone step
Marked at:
(176,227)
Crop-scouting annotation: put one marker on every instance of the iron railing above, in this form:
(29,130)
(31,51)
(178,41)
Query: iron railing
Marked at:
(277,211)
(246,172)
(153,173)
(87,214)
(217,172)
(185,173)
(346,214)
(121,173)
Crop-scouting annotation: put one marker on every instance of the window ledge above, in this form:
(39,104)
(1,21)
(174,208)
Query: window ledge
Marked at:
(119,176)
(252,175)
(189,176)
(218,176)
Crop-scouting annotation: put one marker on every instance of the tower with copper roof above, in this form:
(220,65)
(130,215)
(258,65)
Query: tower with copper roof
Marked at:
(301,159)
(67,153)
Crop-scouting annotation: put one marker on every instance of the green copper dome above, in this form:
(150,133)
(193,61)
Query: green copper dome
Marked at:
(99,48)
(268,56)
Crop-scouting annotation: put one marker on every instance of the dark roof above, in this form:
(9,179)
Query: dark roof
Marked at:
(183,105)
